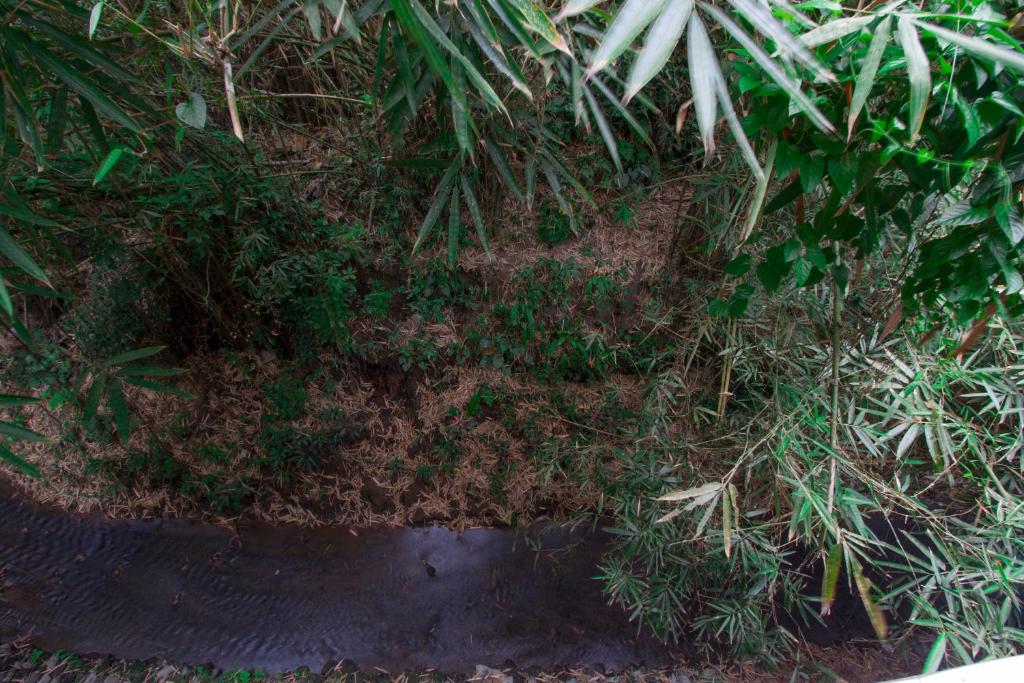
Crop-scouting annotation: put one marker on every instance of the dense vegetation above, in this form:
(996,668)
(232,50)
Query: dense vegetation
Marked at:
(744,275)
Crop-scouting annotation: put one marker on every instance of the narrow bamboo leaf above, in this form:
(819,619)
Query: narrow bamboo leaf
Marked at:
(704,74)
(22,214)
(441,196)
(20,258)
(81,49)
(786,43)
(556,189)
(834,30)
(868,71)
(311,8)
(460,117)
(504,170)
(108,164)
(632,18)
(976,46)
(426,30)
(773,70)
(631,120)
(875,613)
(122,418)
(129,356)
(661,40)
(454,223)
(737,128)
(505,67)
(57,121)
(93,398)
(537,20)
(5,300)
(94,18)
(14,401)
(19,462)
(830,580)
(573,8)
(19,433)
(602,125)
(695,492)
(420,35)
(73,79)
(474,211)
(156,386)
(149,371)
(918,73)
(530,172)
(935,655)
(727,524)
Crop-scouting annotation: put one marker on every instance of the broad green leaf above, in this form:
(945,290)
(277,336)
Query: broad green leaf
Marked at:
(918,72)
(19,462)
(661,40)
(773,70)
(632,18)
(574,7)
(108,164)
(94,18)
(474,210)
(441,197)
(834,30)
(704,76)
(19,433)
(868,70)
(129,356)
(976,46)
(20,258)
(192,112)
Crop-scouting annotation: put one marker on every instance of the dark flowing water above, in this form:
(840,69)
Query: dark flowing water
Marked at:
(281,598)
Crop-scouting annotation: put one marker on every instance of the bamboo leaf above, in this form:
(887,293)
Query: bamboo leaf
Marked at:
(454,223)
(537,20)
(20,433)
(918,72)
(122,418)
(20,258)
(704,72)
(868,71)
(93,398)
(573,8)
(696,492)
(129,356)
(94,18)
(727,524)
(602,125)
(14,401)
(19,462)
(773,70)
(632,18)
(474,210)
(875,613)
(504,170)
(108,164)
(834,30)
(661,40)
(976,46)
(5,299)
(830,580)
(441,196)
(935,655)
